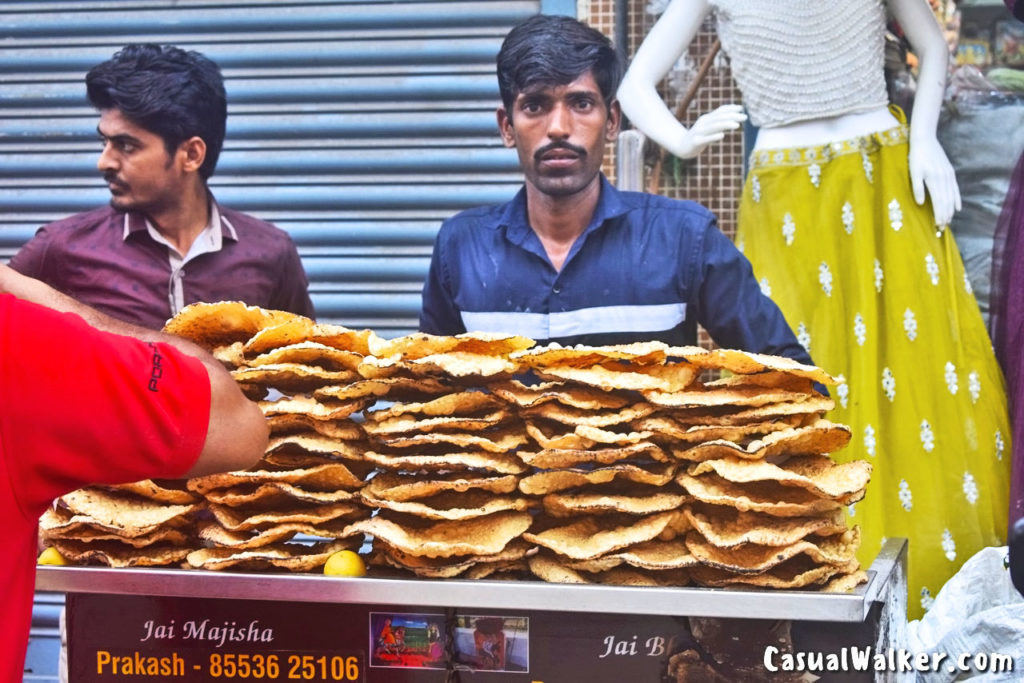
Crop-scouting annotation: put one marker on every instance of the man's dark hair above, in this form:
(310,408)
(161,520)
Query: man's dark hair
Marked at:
(552,50)
(174,93)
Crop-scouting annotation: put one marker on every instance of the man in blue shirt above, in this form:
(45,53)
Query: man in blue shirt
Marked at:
(570,258)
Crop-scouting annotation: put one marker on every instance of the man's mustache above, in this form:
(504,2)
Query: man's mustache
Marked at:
(579,151)
(111,179)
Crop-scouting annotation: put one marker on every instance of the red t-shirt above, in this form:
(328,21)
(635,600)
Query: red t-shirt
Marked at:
(80,407)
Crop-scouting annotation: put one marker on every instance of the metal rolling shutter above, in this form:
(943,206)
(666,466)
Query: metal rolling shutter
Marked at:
(356,126)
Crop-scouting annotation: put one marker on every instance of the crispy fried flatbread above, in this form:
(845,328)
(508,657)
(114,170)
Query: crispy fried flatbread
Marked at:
(552,481)
(322,478)
(117,554)
(642,501)
(838,549)
(391,387)
(552,458)
(275,494)
(811,408)
(817,474)
(405,424)
(162,492)
(821,436)
(244,519)
(703,397)
(397,487)
(552,435)
(296,557)
(481,535)
(552,568)
(501,440)
(310,353)
(770,379)
(747,363)
(657,555)
(452,505)
(588,417)
(59,523)
(666,427)
(592,537)
(291,423)
(297,460)
(310,407)
(421,344)
(516,549)
(219,536)
(459,403)
(125,513)
(633,576)
(230,355)
(581,356)
(508,569)
(768,497)
(448,567)
(463,364)
(317,444)
(299,329)
(727,527)
(618,375)
(222,323)
(291,377)
(845,583)
(453,461)
(574,396)
(799,572)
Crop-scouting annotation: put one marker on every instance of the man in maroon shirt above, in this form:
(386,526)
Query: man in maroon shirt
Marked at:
(163,242)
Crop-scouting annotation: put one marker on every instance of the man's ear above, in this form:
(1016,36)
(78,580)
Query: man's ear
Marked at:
(192,153)
(505,128)
(611,126)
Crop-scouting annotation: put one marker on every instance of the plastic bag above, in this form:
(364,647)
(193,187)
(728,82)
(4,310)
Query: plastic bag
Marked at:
(978,611)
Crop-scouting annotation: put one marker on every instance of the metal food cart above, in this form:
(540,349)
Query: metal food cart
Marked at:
(174,624)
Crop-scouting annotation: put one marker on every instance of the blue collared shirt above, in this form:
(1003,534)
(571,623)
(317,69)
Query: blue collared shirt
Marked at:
(646,267)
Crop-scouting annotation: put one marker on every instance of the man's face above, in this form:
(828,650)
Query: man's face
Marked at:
(560,133)
(140,173)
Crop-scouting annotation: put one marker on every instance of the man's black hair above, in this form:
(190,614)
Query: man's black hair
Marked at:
(173,93)
(552,50)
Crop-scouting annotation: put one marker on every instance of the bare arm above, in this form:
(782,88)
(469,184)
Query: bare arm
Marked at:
(638,94)
(237,433)
(929,167)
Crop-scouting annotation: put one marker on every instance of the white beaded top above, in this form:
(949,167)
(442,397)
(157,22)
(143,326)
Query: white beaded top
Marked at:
(796,60)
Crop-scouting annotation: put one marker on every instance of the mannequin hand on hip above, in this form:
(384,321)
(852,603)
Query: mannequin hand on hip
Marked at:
(931,170)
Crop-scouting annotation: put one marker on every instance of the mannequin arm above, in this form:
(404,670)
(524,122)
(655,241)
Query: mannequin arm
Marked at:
(930,168)
(638,94)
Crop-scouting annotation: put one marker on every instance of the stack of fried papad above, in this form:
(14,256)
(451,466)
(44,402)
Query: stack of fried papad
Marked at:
(146,523)
(661,479)
(294,508)
(446,489)
(481,455)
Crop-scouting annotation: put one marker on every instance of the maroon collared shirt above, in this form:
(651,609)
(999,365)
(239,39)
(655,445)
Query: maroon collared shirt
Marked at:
(107,259)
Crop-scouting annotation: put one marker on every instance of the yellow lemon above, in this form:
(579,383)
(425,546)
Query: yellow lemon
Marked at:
(51,556)
(345,563)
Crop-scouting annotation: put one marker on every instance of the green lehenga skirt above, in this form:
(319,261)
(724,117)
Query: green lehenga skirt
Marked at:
(880,299)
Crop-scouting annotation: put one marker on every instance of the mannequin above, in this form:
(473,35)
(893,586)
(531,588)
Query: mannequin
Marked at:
(843,217)
(929,167)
